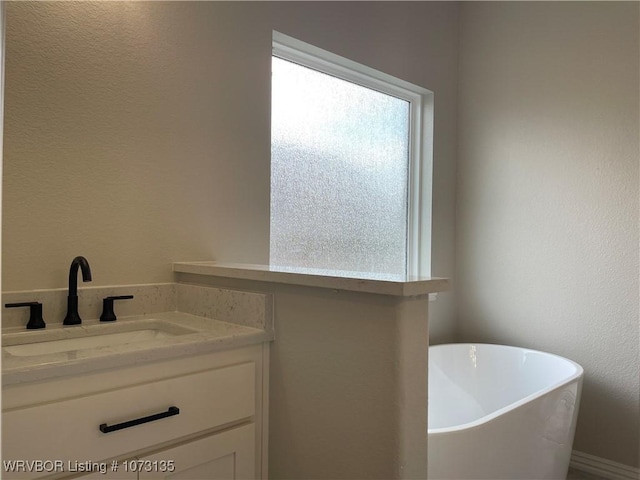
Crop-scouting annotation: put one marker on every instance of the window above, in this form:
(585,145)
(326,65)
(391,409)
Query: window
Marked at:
(350,165)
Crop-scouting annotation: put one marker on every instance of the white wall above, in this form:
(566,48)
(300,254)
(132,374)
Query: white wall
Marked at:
(137,133)
(547,197)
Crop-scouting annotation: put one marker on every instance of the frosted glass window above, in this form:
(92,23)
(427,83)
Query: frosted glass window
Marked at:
(339,173)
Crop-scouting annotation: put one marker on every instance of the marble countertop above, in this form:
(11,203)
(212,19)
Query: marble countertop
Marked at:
(378,283)
(198,335)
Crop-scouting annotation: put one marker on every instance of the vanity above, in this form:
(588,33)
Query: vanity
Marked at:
(154,395)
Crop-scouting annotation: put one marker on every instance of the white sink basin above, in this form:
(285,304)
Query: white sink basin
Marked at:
(25,344)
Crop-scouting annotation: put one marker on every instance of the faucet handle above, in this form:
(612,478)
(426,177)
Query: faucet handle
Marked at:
(108,314)
(35,313)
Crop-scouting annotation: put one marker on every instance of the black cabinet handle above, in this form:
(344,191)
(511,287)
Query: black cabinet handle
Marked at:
(104,428)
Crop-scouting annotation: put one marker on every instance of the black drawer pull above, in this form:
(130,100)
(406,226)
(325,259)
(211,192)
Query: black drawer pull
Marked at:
(104,428)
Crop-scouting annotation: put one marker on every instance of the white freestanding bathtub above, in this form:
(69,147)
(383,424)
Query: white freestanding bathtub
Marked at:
(498,412)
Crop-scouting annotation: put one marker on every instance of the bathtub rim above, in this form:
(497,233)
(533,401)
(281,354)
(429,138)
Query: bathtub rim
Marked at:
(577,376)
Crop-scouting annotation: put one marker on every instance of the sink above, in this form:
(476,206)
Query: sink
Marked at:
(67,339)
(84,343)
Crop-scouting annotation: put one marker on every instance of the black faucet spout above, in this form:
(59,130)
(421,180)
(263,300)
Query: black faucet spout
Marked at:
(78,262)
(73,317)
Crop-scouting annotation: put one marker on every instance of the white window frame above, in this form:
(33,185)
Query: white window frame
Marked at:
(420,135)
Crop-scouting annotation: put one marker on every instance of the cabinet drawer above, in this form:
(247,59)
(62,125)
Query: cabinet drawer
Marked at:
(69,430)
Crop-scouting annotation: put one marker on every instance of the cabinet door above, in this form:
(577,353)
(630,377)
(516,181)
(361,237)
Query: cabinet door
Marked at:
(227,455)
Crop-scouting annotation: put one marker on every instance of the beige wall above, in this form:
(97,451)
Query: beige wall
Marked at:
(547,197)
(137,133)
(2,36)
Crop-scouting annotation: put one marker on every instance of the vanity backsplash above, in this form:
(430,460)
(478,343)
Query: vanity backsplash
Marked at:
(233,306)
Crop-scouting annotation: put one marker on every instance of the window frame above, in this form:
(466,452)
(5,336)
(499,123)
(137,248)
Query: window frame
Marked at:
(420,171)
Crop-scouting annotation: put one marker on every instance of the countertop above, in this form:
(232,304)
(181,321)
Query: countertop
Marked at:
(207,336)
(377,283)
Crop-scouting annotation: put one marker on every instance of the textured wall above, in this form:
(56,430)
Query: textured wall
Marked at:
(135,136)
(547,197)
(137,133)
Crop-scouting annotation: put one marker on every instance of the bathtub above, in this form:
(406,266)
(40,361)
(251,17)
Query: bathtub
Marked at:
(498,412)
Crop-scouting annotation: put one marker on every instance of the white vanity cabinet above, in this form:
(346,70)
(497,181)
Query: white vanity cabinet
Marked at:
(200,417)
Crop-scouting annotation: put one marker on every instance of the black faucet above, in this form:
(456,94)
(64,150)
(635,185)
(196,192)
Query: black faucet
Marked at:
(73,318)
